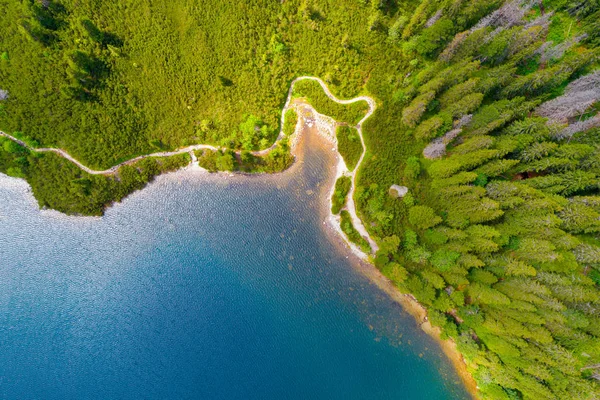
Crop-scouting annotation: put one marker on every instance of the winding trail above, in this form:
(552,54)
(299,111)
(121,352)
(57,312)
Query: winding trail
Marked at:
(289,104)
(350,205)
(114,169)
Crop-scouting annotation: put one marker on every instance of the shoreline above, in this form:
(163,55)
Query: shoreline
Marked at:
(411,306)
(312,124)
(419,312)
(360,262)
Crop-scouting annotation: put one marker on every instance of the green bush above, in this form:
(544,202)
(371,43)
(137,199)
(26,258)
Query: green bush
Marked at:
(351,232)
(412,170)
(423,217)
(313,92)
(349,145)
(342,187)
(291,119)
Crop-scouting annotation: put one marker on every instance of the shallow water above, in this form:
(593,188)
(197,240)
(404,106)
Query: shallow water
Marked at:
(205,287)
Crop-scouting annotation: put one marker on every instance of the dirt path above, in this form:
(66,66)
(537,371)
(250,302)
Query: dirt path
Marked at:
(356,221)
(112,170)
(350,205)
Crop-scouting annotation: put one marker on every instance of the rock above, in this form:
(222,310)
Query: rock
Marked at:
(398,191)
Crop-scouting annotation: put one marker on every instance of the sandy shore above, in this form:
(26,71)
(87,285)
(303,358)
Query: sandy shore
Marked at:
(308,138)
(359,261)
(411,306)
(419,312)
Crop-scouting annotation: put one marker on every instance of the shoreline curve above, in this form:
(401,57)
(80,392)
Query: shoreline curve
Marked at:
(408,302)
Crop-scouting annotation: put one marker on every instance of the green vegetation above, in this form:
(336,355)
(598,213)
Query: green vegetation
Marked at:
(349,145)
(219,160)
(340,193)
(291,119)
(498,238)
(106,84)
(60,185)
(312,92)
(351,232)
(277,160)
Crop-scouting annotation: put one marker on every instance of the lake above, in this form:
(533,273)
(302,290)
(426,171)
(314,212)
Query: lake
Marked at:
(202,287)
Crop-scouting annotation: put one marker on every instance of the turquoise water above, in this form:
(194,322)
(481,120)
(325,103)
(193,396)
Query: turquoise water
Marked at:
(201,287)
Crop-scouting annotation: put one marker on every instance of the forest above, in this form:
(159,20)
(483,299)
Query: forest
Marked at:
(487,112)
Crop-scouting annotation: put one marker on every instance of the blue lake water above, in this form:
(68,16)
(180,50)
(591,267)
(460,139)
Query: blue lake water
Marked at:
(201,287)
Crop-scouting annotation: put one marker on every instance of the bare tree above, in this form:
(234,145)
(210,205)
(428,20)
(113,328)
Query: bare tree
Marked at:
(437,147)
(586,82)
(453,46)
(578,97)
(579,126)
(506,16)
(464,120)
(549,52)
(435,18)
(543,21)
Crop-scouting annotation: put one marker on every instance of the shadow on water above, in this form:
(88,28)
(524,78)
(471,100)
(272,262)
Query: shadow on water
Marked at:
(203,286)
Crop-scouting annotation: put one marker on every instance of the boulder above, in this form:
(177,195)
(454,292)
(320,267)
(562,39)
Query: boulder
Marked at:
(398,191)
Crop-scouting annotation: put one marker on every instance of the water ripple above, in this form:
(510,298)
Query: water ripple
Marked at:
(201,286)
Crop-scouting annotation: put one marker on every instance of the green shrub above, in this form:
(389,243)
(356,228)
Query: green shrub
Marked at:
(291,119)
(313,92)
(349,145)
(423,217)
(342,187)
(351,232)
